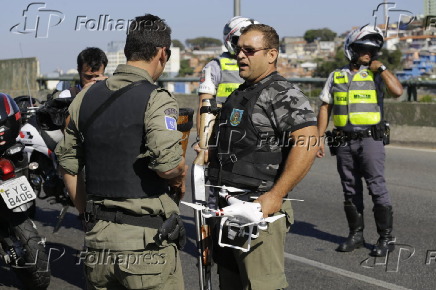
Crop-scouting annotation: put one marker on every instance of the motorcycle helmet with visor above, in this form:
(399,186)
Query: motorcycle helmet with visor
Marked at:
(232,31)
(10,121)
(366,38)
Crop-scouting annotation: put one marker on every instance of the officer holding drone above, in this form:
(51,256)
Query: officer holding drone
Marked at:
(261,137)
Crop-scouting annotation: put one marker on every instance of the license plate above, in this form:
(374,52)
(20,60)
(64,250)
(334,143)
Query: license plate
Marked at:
(16,192)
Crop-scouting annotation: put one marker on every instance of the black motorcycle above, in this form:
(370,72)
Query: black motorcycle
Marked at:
(21,247)
(40,143)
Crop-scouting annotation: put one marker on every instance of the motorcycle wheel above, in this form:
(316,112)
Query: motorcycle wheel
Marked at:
(34,269)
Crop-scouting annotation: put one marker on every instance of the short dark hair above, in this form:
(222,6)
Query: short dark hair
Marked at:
(270,36)
(93,57)
(145,34)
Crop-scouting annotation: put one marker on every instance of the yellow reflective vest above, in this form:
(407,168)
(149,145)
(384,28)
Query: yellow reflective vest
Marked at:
(230,79)
(355,99)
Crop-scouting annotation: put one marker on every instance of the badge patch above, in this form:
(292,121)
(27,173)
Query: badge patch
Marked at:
(170,111)
(236,116)
(170,123)
(364,74)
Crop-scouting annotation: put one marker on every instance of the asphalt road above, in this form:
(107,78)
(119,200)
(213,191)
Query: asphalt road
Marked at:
(310,257)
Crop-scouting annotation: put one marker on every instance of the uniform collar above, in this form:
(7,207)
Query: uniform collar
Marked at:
(348,70)
(134,73)
(245,85)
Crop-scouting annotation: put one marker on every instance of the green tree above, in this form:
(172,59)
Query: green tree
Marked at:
(392,59)
(178,43)
(324,68)
(202,42)
(323,34)
(185,69)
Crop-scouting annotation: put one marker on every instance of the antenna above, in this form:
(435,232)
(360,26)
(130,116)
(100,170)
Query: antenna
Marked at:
(31,108)
(27,76)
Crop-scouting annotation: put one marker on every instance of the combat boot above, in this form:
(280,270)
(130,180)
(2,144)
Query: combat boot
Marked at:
(355,223)
(383,219)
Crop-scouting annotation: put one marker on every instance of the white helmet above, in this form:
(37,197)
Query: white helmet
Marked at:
(232,31)
(367,35)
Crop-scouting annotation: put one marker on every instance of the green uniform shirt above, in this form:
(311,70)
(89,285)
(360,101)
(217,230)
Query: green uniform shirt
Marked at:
(162,148)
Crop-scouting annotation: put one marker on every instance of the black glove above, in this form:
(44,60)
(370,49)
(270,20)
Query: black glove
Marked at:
(173,231)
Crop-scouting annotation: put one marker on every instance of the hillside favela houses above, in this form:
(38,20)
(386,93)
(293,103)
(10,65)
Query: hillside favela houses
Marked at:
(300,57)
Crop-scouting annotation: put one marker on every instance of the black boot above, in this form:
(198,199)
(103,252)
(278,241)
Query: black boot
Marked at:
(355,222)
(383,219)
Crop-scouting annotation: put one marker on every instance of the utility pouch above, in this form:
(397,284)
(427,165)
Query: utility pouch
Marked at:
(381,132)
(387,134)
(173,231)
(89,219)
(335,139)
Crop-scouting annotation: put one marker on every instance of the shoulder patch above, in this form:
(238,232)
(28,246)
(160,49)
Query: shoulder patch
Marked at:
(171,111)
(170,123)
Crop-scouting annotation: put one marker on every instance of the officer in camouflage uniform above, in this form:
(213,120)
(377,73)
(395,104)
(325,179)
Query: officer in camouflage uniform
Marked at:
(263,146)
(133,157)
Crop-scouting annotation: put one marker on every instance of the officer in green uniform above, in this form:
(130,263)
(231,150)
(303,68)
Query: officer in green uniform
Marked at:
(250,154)
(123,130)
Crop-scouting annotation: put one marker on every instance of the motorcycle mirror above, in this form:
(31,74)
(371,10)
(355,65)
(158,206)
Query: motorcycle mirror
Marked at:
(33,165)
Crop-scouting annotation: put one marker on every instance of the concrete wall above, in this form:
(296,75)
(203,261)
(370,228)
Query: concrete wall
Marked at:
(16,74)
(412,124)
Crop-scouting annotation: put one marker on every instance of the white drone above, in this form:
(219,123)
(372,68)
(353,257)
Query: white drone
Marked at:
(246,216)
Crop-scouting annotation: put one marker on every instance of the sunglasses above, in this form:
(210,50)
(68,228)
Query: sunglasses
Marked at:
(366,49)
(248,51)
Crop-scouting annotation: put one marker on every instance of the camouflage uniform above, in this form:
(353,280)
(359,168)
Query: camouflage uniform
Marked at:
(122,255)
(280,108)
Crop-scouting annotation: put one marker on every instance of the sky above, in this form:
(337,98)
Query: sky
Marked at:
(66,27)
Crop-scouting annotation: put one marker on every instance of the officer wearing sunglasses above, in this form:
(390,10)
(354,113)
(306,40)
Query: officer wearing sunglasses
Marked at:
(265,107)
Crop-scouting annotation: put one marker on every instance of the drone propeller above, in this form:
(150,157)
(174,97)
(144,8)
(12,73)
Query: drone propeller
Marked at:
(194,205)
(294,199)
(229,188)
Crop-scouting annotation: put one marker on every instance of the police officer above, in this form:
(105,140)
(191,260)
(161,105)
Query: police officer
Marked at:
(220,77)
(263,110)
(355,94)
(123,130)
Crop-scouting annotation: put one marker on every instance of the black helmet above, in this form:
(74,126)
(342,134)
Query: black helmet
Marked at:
(10,121)
(24,103)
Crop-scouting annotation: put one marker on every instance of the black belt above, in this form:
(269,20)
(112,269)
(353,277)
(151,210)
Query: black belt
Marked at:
(121,217)
(357,134)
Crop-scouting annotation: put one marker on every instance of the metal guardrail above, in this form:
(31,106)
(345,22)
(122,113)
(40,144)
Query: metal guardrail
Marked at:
(320,81)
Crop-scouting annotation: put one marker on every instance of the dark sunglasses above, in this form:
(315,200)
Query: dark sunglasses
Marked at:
(248,51)
(362,49)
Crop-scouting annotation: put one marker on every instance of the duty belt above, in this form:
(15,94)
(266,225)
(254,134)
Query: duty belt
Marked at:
(356,134)
(121,217)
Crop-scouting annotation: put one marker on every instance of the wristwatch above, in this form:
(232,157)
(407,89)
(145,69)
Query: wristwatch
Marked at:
(382,68)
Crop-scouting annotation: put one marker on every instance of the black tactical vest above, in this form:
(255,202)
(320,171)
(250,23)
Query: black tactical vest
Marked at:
(241,155)
(113,141)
